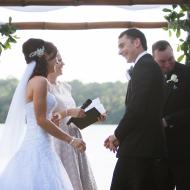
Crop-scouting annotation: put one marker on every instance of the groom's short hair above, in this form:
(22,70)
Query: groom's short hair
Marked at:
(134,33)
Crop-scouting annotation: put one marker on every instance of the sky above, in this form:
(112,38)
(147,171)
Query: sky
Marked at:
(89,55)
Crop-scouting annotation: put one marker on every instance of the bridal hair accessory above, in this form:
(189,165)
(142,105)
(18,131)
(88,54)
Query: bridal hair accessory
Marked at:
(39,52)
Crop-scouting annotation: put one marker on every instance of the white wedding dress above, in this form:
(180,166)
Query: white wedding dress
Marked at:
(36,166)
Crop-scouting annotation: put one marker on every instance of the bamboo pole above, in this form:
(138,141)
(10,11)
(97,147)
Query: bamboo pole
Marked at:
(88,2)
(85,25)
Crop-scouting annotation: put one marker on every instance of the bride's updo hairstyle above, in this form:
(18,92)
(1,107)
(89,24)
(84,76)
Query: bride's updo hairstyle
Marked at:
(36,50)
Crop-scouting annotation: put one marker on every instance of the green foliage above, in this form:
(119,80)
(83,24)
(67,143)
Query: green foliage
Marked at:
(7,88)
(178,20)
(112,95)
(7,35)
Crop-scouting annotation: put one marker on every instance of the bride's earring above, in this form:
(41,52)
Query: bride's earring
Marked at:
(55,68)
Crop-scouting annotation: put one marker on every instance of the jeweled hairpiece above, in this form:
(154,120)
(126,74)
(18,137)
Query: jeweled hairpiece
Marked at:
(39,52)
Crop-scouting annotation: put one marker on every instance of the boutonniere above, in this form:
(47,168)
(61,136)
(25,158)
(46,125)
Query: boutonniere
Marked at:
(173,80)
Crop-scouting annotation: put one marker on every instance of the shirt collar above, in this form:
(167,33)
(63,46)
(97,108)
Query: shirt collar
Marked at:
(140,55)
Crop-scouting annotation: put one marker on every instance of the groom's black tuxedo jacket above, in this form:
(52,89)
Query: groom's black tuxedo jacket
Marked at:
(177,113)
(140,131)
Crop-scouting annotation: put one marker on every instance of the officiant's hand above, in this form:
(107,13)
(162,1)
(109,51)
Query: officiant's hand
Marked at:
(102,117)
(111,143)
(76,112)
(73,112)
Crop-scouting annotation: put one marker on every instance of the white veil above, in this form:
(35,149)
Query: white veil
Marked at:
(15,125)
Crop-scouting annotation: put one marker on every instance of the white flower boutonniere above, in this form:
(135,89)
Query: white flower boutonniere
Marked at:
(173,80)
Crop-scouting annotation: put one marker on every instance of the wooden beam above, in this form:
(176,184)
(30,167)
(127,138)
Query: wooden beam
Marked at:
(87,2)
(86,25)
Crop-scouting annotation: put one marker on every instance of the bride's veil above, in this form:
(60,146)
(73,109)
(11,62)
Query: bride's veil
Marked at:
(15,125)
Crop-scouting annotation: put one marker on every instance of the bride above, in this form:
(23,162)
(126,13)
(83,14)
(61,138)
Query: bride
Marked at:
(27,158)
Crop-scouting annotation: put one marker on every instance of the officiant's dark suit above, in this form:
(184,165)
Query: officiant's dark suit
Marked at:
(140,133)
(177,115)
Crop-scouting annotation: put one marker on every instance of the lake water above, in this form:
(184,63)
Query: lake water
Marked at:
(101,159)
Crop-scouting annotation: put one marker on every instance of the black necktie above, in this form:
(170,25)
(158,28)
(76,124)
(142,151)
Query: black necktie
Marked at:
(130,71)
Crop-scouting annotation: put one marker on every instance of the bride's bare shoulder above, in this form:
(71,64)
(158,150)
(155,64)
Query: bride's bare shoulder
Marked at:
(38,81)
(36,85)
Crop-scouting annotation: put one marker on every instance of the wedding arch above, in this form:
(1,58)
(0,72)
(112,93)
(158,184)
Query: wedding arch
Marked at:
(87,25)
(43,25)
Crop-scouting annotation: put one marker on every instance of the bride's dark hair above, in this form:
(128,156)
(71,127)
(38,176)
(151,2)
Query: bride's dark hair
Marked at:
(35,50)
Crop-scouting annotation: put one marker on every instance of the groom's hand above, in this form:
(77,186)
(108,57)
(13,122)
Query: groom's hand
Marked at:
(112,143)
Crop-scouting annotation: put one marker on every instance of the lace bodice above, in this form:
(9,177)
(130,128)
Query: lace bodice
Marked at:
(64,99)
(62,91)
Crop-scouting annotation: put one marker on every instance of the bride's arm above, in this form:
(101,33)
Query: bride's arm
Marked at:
(73,112)
(39,88)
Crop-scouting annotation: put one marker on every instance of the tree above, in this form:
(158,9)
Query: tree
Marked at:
(178,19)
(7,35)
(111,94)
(7,88)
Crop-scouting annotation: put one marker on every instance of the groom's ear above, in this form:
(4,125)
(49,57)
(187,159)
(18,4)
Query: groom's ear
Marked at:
(137,43)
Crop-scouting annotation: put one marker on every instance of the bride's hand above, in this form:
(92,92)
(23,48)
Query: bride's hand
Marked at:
(78,143)
(56,118)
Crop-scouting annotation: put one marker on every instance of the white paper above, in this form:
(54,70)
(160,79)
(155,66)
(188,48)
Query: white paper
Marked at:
(97,104)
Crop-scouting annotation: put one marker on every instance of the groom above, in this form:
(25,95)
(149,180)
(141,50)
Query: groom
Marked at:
(139,138)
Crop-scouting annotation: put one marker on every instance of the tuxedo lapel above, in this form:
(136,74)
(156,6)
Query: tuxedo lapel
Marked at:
(174,90)
(168,92)
(128,92)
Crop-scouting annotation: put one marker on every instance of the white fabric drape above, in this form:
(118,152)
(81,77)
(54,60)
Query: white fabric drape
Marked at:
(15,125)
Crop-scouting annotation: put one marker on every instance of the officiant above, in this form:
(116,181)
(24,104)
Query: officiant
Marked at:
(76,164)
(176,114)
